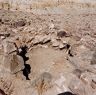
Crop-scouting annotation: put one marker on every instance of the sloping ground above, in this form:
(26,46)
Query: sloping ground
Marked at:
(46,6)
(61,51)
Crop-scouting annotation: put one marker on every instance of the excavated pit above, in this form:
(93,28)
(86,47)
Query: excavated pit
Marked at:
(60,39)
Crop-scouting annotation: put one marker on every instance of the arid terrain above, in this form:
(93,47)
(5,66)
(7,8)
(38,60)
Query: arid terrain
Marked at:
(48,54)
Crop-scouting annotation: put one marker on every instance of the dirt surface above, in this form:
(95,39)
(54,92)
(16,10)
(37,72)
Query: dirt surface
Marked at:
(60,48)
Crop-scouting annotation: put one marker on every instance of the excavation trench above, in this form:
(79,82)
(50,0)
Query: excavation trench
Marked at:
(27,69)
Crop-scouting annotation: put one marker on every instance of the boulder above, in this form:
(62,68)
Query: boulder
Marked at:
(41,39)
(11,61)
(8,46)
(80,88)
(42,83)
(89,78)
(6,86)
(62,34)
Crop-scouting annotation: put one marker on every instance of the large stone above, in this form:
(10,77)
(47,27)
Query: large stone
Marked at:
(8,46)
(61,85)
(89,78)
(13,63)
(80,88)
(6,86)
(62,46)
(82,58)
(55,43)
(41,39)
(43,82)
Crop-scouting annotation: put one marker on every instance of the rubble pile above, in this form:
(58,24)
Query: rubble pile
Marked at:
(40,56)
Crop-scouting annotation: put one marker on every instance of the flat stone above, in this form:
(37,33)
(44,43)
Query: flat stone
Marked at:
(55,43)
(44,81)
(17,64)
(8,46)
(12,63)
(79,88)
(61,45)
(41,39)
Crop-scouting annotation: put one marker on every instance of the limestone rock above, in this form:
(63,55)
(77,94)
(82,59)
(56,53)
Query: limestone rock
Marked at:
(79,88)
(8,46)
(55,43)
(62,46)
(51,26)
(41,39)
(6,86)
(60,84)
(43,82)
(89,78)
(82,58)
(17,64)
(12,63)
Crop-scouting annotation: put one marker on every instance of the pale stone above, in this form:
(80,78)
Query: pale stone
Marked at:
(41,39)
(79,88)
(12,63)
(55,43)
(8,46)
(51,26)
(61,46)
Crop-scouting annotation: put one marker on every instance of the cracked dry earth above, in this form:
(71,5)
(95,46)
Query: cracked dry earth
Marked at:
(60,49)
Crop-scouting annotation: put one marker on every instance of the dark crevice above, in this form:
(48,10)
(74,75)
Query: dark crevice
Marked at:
(2,92)
(70,54)
(27,69)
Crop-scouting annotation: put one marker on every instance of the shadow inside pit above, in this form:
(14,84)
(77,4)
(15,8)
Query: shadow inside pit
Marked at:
(2,92)
(27,69)
(67,93)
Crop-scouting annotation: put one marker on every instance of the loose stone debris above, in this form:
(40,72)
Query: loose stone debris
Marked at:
(43,57)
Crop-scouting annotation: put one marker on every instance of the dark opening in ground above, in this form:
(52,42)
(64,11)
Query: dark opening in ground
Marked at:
(2,92)
(27,69)
(67,93)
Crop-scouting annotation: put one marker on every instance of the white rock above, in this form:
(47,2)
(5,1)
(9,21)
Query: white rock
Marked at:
(45,39)
(61,45)
(64,42)
(12,63)
(55,43)
(2,37)
(8,46)
(60,84)
(51,26)
(60,81)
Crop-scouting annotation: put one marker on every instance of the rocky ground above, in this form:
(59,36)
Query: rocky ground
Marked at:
(47,54)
